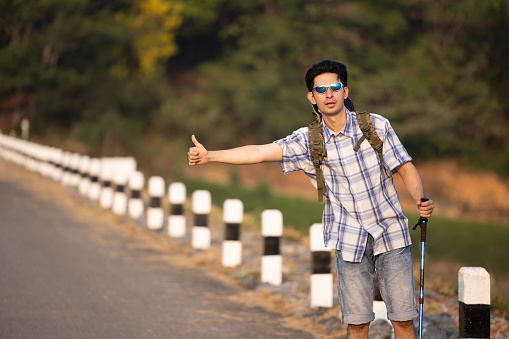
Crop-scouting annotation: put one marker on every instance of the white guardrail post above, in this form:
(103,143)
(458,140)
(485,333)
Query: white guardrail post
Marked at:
(474,302)
(272,261)
(233,215)
(201,236)
(321,281)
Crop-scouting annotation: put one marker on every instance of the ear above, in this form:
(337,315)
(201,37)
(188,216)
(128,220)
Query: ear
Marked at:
(311,98)
(346,93)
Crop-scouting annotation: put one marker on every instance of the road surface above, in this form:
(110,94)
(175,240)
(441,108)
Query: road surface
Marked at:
(72,271)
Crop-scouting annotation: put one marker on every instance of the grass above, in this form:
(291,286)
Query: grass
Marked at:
(473,243)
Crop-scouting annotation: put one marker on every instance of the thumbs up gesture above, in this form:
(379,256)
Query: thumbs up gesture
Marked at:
(197,155)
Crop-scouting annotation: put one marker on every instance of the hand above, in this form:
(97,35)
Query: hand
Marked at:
(425,208)
(197,155)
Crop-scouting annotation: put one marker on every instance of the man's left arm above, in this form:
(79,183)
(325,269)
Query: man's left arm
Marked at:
(413,184)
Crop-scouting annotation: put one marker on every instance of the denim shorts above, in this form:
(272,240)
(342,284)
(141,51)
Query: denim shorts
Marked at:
(356,283)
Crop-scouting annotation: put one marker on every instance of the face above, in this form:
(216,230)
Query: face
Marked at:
(329,103)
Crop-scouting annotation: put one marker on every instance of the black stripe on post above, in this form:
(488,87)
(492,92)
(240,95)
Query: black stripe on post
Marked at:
(232,231)
(474,321)
(177,209)
(155,202)
(94,178)
(271,245)
(106,183)
(135,194)
(320,262)
(201,220)
(119,188)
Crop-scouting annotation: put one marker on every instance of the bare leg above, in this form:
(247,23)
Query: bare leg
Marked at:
(403,329)
(357,331)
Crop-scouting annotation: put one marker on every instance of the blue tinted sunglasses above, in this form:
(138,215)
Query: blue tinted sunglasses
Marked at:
(323,88)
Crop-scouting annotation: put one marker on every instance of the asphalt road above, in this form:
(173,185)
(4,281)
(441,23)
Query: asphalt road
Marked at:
(66,272)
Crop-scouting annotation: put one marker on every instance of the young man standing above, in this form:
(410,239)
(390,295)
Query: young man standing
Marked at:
(362,218)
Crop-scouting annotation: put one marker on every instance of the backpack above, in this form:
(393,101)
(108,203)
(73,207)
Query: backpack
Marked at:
(319,152)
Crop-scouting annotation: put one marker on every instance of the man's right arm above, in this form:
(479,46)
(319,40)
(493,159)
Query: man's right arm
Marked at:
(251,154)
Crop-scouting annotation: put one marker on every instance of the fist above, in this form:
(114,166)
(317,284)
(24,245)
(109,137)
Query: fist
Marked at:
(197,155)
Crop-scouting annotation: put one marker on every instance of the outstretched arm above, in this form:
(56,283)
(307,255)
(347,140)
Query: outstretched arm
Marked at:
(252,154)
(413,184)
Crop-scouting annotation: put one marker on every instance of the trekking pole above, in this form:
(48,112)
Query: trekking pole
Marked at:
(422,223)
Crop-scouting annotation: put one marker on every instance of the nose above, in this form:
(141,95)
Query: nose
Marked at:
(329,93)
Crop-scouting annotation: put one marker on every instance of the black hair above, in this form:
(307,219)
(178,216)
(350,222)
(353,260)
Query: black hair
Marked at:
(326,66)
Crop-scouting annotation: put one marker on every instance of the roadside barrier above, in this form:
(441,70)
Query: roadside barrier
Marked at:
(233,215)
(272,261)
(321,281)
(135,205)
(119,195)
(122,169)
(474,302)
(176,218)
(201,236)
(155,212)
(84,183)
(94,170)
(106,178)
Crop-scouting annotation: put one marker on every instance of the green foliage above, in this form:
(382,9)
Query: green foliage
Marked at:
(437,70)
(76,64)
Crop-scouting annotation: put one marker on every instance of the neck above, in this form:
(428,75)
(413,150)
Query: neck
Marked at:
(335,122)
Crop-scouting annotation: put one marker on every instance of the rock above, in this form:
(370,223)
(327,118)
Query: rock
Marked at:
(380,329)
(249,282)
(286,287)
(330,323)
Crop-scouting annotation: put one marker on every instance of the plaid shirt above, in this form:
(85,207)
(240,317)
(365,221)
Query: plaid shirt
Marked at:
(360,198)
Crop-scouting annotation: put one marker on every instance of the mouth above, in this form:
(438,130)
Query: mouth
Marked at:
(330,103)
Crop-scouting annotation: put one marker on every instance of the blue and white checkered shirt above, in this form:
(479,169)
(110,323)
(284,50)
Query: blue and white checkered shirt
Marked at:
(360,198)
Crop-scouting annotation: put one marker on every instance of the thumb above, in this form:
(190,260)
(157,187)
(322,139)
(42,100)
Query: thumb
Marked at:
(195,141)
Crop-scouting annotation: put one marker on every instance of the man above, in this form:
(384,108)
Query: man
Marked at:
(362,216)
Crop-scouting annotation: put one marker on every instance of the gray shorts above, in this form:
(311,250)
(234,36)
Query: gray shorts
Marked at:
(356,282)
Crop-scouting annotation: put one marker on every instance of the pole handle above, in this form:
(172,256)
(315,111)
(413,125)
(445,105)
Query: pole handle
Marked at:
(422,223)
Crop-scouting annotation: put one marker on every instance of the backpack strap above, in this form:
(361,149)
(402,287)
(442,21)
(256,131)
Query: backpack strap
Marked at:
(369,134)
(318,152)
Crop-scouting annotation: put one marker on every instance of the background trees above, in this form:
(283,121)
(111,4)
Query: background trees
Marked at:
(111,73)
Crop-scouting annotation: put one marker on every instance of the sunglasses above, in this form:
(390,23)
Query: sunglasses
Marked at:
(323,88)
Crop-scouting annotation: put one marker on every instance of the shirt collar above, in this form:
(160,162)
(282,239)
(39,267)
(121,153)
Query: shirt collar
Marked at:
(348,130)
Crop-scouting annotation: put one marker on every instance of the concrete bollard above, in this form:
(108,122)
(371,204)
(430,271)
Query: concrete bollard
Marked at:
(106,178)
(474,302)
(74,177)
(201,237)
(155,212)
(64,163)
(233,215)
(119,195)
(272,261)
(321,281)
(176,218)
(94,170)
(135,206)
(56,161)
(84,182)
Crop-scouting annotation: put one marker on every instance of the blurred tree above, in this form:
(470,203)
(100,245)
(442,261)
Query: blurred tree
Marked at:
(72,61)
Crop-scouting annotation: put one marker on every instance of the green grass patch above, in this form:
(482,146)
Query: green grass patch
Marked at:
(481,244)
